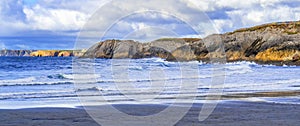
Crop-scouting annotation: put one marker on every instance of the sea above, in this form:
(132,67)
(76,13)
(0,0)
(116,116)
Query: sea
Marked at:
(30,82)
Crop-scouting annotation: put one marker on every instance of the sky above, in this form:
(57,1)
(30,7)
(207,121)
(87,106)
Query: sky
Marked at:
(76,24)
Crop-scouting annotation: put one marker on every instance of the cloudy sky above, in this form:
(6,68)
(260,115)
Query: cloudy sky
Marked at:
(68,24)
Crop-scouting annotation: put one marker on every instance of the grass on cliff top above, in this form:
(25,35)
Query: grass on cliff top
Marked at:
(282,25)
(189,40)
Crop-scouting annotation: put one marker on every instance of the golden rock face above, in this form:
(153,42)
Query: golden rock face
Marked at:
(64,54)
(272,54)
(184,56)
(234,55)
(50,53)
(42,53)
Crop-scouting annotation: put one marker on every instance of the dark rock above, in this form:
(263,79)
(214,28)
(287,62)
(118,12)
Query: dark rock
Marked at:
(131,49)
(296,57)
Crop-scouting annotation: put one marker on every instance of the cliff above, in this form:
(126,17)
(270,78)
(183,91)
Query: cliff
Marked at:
(276,43)
(57,53)
(42,53)
(15,52)
(132,49)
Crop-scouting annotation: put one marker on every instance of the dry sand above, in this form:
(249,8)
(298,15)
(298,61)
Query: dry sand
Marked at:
(226,114)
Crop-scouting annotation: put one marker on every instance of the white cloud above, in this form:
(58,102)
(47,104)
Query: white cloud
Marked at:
(246,4)
(54,19)
(203,5)
(130,15)
(63,16)
(147,34)
(255,12)
(49,15)
(251,17)
(222,25)
(72,15)
(236,4)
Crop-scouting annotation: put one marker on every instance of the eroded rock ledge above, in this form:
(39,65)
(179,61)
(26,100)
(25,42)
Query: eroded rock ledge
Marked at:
(275,43)
(57,53)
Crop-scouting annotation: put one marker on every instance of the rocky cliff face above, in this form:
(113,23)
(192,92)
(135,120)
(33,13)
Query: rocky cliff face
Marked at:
(15,52)
(57,53)
(277,43)
(42,53)
(131,49)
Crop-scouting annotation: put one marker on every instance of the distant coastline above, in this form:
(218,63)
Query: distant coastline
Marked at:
(42,53)
(274,43)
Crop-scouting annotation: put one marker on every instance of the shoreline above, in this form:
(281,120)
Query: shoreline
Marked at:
(226,113)
(205,61)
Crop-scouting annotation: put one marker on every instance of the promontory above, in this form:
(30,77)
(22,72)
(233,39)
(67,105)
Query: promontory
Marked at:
(274,43)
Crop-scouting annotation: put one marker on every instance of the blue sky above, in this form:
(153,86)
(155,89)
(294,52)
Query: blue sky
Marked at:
(55,24)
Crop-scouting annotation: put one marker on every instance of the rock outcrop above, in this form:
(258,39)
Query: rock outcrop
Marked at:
(43,53)
(77,53)
(15,52)
(65,54)
(55,53)
(119,49)
(273,42)
(277,43)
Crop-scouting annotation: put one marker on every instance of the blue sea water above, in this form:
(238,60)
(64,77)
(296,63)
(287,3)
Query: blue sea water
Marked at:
(27,82)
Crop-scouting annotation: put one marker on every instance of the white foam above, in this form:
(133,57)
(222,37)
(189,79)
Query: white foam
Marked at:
(135,68)
(239,67)
(24,94)
(81,76)
(291,81)
(22,80)
(36,104)
(275,85)
(27,83)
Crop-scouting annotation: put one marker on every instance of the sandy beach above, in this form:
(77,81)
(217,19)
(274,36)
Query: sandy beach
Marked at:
(226,114)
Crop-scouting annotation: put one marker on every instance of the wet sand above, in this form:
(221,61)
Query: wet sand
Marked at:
(226,114)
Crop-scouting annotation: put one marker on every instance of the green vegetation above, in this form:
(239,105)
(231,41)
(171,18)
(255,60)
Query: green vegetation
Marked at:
(292,27)
(189,40)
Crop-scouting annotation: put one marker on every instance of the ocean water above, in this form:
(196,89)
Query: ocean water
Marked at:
(27,82)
